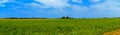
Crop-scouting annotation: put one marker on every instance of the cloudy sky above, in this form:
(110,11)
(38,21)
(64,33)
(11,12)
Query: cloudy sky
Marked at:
(59,8)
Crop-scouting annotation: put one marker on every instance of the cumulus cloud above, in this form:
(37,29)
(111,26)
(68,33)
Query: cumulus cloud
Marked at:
(108,8)
(4,1)
(108,5)
(77,1)
(54,3)
(63,3)
(95,0)
(105,8)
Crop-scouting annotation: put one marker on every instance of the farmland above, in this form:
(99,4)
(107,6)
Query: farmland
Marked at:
(92,26)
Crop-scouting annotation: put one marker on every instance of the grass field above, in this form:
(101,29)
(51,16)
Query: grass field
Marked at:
(58,26)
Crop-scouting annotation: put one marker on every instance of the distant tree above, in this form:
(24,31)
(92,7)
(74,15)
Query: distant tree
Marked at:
(104,17)
(63,17)
(66,17)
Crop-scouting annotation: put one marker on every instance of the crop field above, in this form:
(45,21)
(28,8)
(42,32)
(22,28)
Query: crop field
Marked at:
(92,26)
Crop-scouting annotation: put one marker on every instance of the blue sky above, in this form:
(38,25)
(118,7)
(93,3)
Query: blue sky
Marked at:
(59,8)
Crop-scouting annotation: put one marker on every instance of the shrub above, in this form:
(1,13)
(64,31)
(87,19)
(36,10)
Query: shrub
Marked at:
(66,17)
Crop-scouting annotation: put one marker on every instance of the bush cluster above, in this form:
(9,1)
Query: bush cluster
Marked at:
(66,17)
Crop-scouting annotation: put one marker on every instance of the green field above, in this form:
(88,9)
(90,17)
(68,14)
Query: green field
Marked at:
(96,26)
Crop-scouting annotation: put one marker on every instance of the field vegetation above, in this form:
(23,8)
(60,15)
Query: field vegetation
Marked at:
(92,26)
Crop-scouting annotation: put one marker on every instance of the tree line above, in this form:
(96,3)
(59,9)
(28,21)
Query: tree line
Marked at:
(64,17)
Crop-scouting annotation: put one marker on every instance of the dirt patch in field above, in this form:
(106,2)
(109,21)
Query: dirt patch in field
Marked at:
(115,32)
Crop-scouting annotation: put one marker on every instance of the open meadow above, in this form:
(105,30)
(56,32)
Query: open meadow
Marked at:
(92,26)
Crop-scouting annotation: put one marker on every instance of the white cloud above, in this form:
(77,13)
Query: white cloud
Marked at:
(108,8)
(38,5)
(95,0)
(4,1)
(77,1)
(54,3)
(108,5)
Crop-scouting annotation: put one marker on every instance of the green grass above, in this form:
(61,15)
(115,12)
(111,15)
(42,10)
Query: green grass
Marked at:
(58,26)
